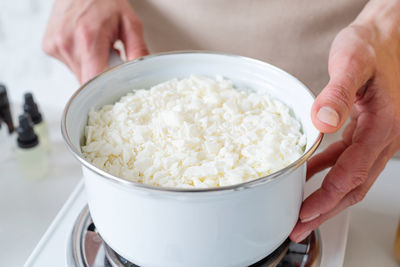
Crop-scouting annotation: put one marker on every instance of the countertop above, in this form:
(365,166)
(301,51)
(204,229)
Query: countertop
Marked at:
(28,206)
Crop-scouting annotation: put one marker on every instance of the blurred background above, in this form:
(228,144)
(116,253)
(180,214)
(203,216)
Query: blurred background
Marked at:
(27,206)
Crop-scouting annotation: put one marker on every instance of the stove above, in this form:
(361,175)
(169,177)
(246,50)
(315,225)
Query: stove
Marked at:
(86,248)
(72,240)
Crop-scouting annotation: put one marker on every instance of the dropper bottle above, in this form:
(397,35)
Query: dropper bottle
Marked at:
(5,116)
(31,156)
(5,147)
(40,127)
(5,112)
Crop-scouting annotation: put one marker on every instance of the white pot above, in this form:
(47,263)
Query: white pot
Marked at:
(228,226)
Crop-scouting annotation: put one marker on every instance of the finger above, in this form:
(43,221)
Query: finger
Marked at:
(329,156)
(61,46)
(325,159)
(94,50)
(351,65)
(132,37)
(66,55)
(94,63)
(348,132)
(375,128)
(358,194)
(368,135)
(302,230)
(350,170)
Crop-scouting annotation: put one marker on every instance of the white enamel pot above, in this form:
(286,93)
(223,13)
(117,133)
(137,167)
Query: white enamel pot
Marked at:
(228,226)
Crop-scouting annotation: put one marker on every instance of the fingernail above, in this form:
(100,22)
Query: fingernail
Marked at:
(303,236)
(329,116)
(310,218)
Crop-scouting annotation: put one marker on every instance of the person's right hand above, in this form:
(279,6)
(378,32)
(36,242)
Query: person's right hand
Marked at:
(81,34)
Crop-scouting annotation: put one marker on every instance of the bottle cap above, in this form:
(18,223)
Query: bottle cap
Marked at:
(26,135)
(31,108)
(5,112)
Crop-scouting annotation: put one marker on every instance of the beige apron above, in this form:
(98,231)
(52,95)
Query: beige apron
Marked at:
(293,35)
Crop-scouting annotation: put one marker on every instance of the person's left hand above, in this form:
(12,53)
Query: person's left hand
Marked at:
(364,69)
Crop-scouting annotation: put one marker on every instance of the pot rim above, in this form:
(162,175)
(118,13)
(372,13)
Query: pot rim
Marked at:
(236,187)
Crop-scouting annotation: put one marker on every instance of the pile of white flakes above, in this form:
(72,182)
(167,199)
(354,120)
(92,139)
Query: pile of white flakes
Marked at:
(195,132)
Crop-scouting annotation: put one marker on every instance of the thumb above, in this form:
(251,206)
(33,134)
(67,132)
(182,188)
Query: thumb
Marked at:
(132,37)
(350,67)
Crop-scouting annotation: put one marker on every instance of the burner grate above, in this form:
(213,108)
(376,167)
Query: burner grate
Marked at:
(89,250)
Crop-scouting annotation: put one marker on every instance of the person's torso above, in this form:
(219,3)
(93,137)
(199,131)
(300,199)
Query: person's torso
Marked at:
(293,35)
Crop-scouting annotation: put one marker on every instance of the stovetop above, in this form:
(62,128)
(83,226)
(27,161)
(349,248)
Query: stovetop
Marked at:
(86,248)
(54,249)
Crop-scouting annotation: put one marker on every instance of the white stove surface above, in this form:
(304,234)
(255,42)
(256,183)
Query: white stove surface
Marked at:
(52,248)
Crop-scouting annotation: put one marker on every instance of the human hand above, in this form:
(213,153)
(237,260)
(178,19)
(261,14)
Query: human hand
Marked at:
(364,70)
(81,33)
